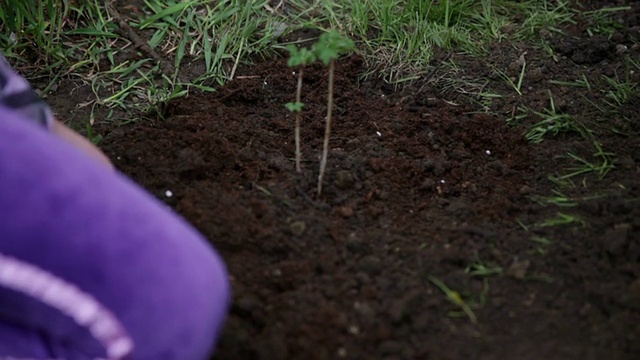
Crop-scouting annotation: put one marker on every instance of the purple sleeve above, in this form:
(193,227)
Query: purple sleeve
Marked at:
(93,266)
(17,95)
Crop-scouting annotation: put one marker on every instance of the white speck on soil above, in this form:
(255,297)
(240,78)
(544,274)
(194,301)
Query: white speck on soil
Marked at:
(379,133)
(354,330)
(488,152)
(168,193)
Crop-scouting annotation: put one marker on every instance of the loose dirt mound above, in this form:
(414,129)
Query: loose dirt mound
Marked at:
(417,189)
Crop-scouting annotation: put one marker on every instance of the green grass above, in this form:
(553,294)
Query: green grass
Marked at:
(455,298)
(479,268)
(552,123)
(517,85)
(39,24)
(561,200)
(562,219)
(82,39)
(544,15)
(55,38)
(581,83)
(398,38)
(621,89)
(600,21)
(541,244)
(603,162)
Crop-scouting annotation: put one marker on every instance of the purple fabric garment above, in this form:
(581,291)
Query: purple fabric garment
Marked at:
(94,233)
(16,94)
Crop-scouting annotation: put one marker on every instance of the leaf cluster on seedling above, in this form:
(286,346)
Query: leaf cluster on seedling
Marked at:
(330,46)
(300,56)
(327,49)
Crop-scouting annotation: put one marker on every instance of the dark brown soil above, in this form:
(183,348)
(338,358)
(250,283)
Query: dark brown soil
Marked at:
(422,184)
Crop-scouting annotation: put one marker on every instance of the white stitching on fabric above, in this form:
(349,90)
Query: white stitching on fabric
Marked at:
(68,299)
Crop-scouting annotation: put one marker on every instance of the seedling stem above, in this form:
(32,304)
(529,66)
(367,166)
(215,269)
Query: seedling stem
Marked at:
(298,118)
(299,58)
(327,130)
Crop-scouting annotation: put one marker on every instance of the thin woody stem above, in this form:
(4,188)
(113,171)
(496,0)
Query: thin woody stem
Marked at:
(327,131)
(298,119)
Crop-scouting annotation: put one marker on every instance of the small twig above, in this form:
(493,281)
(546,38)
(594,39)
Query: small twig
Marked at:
(300,41)
(298,116)
(327,131)
(125,30)
(235,64)
(437,67)
(230,94)
(262,189)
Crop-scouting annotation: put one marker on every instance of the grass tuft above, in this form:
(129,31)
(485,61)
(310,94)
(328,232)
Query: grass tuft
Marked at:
(455,298)
(553,123)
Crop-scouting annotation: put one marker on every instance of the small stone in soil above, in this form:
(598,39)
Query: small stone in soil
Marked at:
(428,184)
(518,269)
(371,265)
(344,180)
(354,330)
(364,309)
(298,228)
(345,211)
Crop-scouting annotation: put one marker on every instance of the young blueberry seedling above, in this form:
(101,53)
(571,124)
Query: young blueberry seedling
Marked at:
(329,47)
(298,58)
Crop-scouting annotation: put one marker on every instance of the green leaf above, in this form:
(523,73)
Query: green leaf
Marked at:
(344,45)
(171,10)
(307,56)
(294,106)
(326,55)
(298,57)
(330,45)
(292,49)
(91,32)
